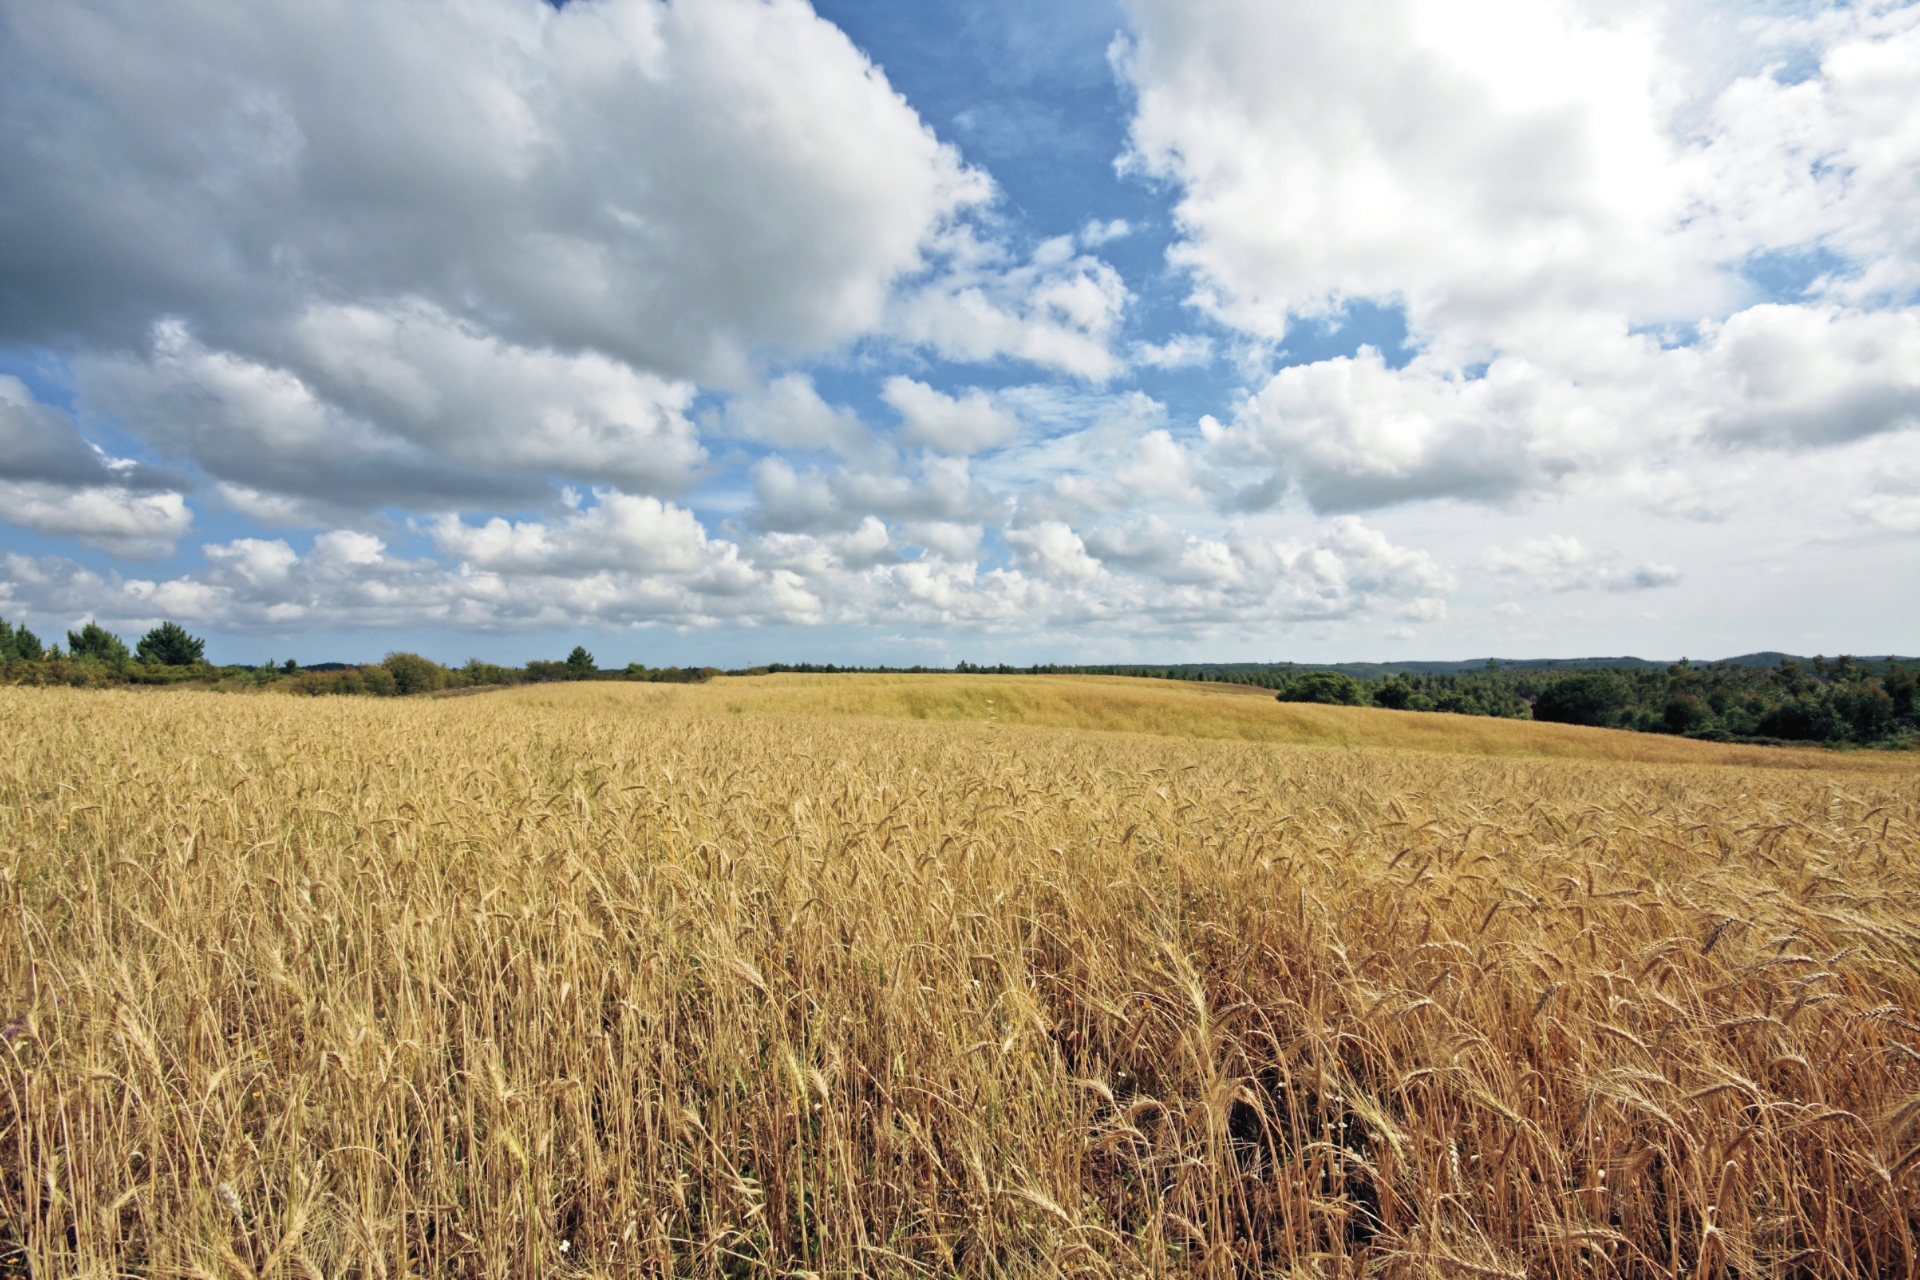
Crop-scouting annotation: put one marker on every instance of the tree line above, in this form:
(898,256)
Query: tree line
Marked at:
(95,658)
(1839,701)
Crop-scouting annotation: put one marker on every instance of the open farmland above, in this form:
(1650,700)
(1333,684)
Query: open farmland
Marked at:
(851,975)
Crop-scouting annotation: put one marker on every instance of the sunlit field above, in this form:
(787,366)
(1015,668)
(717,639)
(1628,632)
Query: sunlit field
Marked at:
(943,977)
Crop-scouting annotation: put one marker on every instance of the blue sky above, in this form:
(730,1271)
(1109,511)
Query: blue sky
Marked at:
(731,331)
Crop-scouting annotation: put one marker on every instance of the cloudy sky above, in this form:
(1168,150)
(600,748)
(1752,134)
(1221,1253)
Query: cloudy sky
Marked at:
(734,331)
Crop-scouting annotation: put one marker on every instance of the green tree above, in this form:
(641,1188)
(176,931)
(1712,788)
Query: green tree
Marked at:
(94,643)
(1802,720)
(169,645)
(19,644)
(1398,695)
(1323,686)
(1684,713)
(580,663)
(1592,697)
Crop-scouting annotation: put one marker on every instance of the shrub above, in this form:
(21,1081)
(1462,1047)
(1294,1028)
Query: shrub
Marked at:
(415,674)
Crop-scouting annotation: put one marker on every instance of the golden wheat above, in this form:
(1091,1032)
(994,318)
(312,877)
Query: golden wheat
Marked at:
(619,980)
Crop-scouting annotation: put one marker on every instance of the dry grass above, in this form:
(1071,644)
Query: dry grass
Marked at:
(620,980)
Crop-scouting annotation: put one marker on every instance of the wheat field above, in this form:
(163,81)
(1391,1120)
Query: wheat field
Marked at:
(765,978)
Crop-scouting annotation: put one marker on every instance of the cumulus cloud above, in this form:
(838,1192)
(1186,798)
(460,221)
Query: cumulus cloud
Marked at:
(962,424)
(626,560)
(346,256)
(1161,467)
(811,501)
(944,539)
(263,428)
(1058,310)
(672,185)
(54,482)
(138,526)
(1803,375)
(1559,562)
(1052,551)
(1533,185)
(399,405)
(619,532)
(790,414)
(1354,434)
(1478,162)
(1154,547)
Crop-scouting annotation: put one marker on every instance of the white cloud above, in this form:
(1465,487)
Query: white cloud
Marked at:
(963,424)
(1812,375)
(676,186)
(1052,551)
(1154,547)
(626,561)
(945,540)
(1827,160)
(1898,512)
(620,532)
(138,526)
(1479,162)
(1182,351)
(811,501)
(790,414)
(1059,310)
(1353,433)
(349,256)
(53,481)
(400,406)
(1161,467)
(1559,562)
(1517,177)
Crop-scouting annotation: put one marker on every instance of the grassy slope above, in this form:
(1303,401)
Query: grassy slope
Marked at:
(1181,709)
